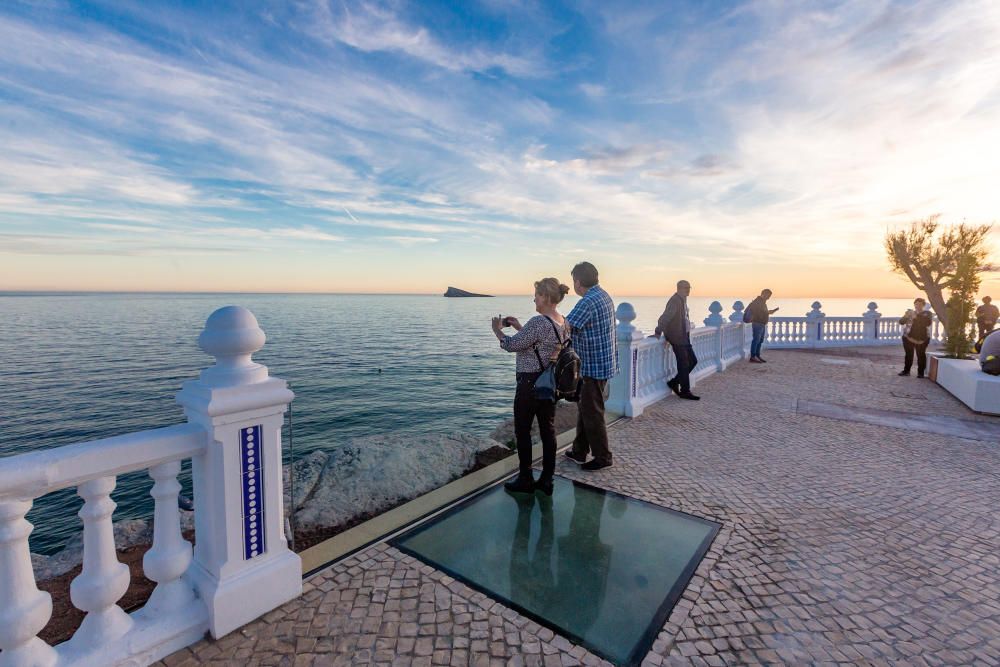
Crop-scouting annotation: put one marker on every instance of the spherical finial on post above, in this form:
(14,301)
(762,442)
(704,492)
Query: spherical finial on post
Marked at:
(625,314)
(232,335)
(737,314)
(872,312)
(715,319)
(815,312)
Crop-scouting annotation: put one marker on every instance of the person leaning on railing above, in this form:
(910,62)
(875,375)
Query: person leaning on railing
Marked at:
(675,325)
(537,344)
(916,326)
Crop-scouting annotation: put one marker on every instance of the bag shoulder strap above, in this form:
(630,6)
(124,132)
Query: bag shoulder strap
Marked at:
(558,338)
(556,330)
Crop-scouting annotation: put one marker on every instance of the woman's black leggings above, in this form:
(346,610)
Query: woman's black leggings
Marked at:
(526,408)
(921,349)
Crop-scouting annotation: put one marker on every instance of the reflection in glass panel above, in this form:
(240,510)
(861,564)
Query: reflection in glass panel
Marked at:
(600,568)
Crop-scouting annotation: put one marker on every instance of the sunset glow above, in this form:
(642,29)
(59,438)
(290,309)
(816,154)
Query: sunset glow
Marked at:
(364,147)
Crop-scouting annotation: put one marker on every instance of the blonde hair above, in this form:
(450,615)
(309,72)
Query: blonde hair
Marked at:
(551,289)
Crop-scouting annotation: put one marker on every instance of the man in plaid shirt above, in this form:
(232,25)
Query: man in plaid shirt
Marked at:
(593,322)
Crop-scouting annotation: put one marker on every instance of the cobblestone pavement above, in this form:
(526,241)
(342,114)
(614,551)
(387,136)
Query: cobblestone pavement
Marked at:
(842,542)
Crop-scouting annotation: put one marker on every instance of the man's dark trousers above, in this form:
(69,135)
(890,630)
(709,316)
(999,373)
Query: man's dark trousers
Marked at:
(686,361)
(591,431)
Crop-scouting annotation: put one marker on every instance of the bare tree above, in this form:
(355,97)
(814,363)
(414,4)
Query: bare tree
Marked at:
(930,255)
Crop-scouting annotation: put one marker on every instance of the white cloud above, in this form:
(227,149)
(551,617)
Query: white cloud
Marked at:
(367,27)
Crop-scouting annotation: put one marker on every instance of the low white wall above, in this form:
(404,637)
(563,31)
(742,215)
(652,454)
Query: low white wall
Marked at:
(966,382)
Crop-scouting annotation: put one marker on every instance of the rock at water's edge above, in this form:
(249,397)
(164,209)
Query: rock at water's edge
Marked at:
(454,291)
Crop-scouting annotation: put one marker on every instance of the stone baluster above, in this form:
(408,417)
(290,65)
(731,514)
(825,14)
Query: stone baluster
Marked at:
(24,610)
(623,388)
(242,566)
(737,314)
(814,325)
(170,554)
(103,580)
(715,318)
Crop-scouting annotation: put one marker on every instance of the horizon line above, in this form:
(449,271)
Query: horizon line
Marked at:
(54,292)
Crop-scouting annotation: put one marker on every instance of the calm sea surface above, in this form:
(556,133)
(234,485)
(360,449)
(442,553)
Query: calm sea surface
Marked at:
(77,367)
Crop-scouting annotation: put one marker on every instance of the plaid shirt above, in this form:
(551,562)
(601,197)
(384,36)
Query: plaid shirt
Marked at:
(593,322)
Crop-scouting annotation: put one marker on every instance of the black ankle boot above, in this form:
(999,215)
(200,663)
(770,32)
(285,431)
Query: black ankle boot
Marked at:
(520,485)
(544,484)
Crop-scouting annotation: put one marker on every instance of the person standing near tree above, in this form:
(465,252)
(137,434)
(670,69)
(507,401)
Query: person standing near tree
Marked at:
(675,325)
(917,338)
(757,314)
(593,324)
(986,316)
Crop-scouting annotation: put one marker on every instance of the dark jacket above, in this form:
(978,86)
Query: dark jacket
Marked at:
(920,328)
(758,311)
(671,322)
(987,313)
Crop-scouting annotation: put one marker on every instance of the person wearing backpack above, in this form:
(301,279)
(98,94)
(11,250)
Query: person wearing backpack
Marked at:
(757,315)
(538,344)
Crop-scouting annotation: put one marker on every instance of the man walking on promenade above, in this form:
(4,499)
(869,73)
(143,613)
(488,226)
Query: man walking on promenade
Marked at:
(987,316)
(675,325)
(593,322)
(758,314)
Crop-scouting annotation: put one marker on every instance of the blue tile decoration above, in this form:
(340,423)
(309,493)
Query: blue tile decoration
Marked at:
(252,468)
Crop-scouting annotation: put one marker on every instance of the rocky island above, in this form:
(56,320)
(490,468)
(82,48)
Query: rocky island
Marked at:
(454,291)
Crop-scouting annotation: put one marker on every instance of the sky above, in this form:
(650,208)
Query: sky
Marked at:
(403,147)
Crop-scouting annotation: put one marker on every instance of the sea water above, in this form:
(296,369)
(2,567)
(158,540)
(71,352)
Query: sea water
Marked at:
(77,367)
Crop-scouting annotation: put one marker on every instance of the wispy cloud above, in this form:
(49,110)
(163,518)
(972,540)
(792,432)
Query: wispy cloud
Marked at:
(709,134)
(372,28)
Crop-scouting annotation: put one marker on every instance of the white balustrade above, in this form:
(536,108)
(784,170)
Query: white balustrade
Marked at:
(103,580)
(170,555)
(647,363)
(241,567)
(25,609)
(705,342)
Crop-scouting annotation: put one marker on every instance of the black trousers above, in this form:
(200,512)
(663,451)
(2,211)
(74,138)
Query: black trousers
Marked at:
(686,361)
(908,349)
(526,409)
(591,431)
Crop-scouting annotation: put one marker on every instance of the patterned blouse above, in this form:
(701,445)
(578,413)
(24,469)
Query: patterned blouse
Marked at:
(536,331)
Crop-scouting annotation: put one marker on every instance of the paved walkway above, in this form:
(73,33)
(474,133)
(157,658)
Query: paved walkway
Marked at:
(842,542)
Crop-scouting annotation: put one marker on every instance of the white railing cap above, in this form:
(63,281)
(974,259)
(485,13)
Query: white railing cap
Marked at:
(232,335)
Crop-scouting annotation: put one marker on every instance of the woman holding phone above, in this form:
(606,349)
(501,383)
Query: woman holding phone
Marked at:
(537,344)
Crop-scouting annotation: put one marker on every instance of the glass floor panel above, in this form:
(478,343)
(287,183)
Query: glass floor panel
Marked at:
(600,568)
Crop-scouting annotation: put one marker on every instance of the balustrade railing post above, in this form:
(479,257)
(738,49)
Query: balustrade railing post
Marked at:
(103,580)
(814,325)
(622,389)
(24,609)
(872,316)
(242,565)
(170,555)
(737,315)
(716,320)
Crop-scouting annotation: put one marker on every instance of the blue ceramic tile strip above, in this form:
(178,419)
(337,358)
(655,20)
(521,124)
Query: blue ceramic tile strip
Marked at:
(252,477)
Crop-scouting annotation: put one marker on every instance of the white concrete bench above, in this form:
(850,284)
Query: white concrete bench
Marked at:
(966,382)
